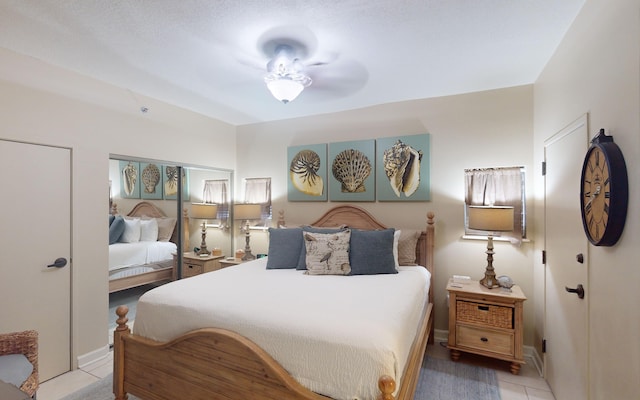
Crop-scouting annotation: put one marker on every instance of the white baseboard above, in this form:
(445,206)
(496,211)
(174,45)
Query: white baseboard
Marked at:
(531,356)
(85,360)
(440,335)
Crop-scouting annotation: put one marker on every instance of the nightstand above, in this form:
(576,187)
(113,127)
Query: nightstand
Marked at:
(193,264)
(485,321)
(230,261)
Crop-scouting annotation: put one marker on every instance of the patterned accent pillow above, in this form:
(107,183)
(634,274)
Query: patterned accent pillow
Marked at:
(302,261)
(327,253)
(407,247)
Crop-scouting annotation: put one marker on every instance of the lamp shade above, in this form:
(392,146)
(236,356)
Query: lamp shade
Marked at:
(247,211)
(491,218)
(204,211)
(285,89)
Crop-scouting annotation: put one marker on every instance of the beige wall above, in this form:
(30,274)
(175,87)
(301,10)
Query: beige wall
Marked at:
(596,70)
(485,129)
(43,104)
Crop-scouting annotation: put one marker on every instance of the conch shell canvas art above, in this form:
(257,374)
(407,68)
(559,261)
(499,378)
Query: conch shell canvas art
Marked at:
(129,178)
(402,168)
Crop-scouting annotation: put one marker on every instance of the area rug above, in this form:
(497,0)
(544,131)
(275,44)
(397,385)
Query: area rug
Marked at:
(439,380)
(442,379)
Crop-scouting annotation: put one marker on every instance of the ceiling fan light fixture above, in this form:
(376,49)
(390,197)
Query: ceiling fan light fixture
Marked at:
(286,88)
(285,79)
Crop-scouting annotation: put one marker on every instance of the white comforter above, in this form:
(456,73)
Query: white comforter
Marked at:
(336,335)
(123,255)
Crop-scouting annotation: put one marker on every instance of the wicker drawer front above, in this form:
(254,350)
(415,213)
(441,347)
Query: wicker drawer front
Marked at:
(485,314)
(487,340)
(191,270)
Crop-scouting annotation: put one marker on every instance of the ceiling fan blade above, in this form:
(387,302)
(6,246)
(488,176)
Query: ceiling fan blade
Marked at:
(343,78)
(323,59)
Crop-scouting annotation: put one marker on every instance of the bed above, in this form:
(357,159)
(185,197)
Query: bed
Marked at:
(177,354)
(140,262)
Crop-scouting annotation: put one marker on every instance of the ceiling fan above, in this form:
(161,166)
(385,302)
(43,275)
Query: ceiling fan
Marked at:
(285,77)
(291,60)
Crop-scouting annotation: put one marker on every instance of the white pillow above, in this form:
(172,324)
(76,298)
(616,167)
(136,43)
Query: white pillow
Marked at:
(148,230)
(131,232)
(396,238)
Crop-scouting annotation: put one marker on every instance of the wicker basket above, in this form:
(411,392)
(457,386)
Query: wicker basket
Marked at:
(23,343)
(486,314)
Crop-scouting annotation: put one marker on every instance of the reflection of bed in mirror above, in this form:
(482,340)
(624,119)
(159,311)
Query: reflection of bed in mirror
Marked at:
(136,260)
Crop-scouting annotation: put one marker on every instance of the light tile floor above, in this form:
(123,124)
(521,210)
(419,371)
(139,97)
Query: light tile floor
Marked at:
(58,387)
(528,385)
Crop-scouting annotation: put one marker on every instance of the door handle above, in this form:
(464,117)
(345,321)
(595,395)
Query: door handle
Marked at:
(578,290)
(58,263)
(580,258)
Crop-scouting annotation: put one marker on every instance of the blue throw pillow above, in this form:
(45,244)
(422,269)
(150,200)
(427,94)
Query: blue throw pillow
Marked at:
(284,248)
(302,260)
(371,252)
(15,369)
(116,229)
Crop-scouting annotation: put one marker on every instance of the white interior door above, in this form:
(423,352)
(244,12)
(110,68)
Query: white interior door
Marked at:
(36,230)
(566,315)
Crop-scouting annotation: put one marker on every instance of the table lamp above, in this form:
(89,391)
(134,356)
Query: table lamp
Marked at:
(247,212)
(204,211)
(491,219)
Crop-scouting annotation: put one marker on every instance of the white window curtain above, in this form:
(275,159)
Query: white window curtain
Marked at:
(217,191)
(258,191)
(499,187)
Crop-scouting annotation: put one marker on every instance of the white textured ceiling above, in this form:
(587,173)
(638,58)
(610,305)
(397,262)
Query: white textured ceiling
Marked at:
(207,55)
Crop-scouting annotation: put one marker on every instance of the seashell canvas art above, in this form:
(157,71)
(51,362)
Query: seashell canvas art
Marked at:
(151,181)
(170,183)
(403,168)
(307,174)
(129,179)
(303,172)
(352,171)
(351,167)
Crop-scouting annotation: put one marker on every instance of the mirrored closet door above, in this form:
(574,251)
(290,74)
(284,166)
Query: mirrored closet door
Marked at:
(163,228)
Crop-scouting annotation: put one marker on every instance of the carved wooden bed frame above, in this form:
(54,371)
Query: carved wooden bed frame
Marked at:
(148,210)
(201,364)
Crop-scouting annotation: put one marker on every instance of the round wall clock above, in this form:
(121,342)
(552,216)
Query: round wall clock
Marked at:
(604,191)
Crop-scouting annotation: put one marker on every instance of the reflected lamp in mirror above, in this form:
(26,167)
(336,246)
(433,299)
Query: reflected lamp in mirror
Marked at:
(491,219)
(204,211)
(247,212)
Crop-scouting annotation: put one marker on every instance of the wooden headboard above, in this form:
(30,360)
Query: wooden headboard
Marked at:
(358,218)
(145,209)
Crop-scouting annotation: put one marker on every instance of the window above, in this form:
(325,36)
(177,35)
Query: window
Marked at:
(499,187)
(258,191)
(217,191)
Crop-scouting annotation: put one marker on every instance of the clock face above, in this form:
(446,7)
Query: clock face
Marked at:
(596,194)
(604,192)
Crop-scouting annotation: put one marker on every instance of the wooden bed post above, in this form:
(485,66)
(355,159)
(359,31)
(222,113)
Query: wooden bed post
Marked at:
(430,246)
(121,331)
(387,386)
